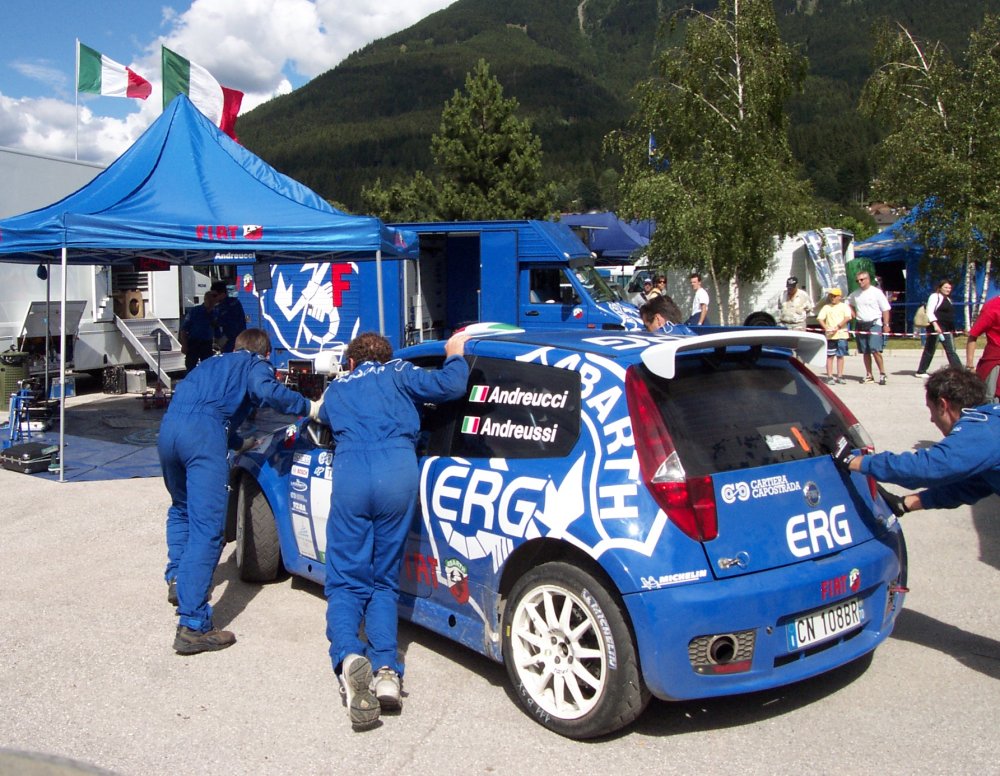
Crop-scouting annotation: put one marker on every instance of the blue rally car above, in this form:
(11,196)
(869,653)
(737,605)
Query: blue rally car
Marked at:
(615,515)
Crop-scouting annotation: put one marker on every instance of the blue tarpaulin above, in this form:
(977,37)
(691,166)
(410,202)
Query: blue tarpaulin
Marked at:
(607,235)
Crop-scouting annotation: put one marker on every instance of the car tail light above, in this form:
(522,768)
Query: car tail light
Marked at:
(855,431)
(689,502)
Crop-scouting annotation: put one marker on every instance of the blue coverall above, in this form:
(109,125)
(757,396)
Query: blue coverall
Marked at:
(962,468)
(375,421)
(198,427)
(230,319)
(198,326)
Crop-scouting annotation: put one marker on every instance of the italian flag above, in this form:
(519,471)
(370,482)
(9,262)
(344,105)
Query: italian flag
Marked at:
(479,393)
(470,424)
(97,74)
(220,104)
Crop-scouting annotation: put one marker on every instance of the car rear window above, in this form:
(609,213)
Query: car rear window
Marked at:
(733,412)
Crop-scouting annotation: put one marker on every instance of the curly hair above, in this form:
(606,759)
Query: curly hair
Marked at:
(369,346)
(960,387)
(254,340)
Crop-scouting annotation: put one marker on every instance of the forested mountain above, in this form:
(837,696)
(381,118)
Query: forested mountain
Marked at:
(571,64)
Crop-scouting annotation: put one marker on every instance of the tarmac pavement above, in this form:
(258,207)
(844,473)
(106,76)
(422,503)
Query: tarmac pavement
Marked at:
(87,672)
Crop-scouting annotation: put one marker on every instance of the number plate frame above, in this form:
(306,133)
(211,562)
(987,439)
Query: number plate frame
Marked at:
(825,624)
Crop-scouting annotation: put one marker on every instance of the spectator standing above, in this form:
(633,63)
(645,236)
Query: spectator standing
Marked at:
(962,468)
(660,287)
(987,323)
(644,294)
(197,332)
(794,306)
(699,304)
(871,314)
(230,317)
(834,317)
(941,317)
(374,415)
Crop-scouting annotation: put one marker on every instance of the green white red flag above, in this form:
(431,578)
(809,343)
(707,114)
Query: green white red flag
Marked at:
(98,74)
(219,103)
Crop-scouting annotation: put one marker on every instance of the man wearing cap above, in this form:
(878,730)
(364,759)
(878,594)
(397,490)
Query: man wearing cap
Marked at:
(645,294)
(794,306)
(834,317)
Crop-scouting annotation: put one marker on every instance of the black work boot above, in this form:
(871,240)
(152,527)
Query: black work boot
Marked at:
(172,592)
(191,642)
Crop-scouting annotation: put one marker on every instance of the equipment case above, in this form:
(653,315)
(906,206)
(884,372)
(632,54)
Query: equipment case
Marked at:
(29,457)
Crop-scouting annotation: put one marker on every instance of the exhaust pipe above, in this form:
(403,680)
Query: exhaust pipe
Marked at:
(722,649)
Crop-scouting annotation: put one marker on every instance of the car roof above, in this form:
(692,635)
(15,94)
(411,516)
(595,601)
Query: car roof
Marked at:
(657,351)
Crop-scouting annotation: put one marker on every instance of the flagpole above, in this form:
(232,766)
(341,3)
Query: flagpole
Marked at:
(76,99)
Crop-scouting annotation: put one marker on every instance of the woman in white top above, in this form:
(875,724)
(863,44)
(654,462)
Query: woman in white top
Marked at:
(941,314)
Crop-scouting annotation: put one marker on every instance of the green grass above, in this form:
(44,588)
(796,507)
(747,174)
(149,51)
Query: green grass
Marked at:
(913,343)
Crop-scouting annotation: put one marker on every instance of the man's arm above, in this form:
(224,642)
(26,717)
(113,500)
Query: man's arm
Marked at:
(970,353)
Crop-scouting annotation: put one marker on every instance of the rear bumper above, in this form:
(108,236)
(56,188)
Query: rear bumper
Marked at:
(666,620)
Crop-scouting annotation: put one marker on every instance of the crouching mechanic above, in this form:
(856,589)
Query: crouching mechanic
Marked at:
(962,468)
(373,413)
(197,430)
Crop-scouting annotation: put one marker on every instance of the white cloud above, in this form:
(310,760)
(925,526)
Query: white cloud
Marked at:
(250,45)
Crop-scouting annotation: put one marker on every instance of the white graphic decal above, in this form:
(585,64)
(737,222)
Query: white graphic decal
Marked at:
(806,533)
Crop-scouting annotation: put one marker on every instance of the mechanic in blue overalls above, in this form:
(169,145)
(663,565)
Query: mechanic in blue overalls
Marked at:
(373,413)
(198,429)
(229,315)
(962,468)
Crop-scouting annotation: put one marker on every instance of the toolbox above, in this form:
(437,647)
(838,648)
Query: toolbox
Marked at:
(29,457)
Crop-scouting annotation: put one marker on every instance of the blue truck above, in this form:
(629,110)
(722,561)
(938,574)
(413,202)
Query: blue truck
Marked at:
(531,274)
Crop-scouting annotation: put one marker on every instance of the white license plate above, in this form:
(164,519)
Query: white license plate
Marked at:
(825,624)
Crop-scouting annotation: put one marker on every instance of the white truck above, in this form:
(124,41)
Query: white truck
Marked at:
(121,309)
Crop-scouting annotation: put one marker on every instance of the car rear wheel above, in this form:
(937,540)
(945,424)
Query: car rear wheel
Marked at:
(258,552)
(570,653)
(760,319)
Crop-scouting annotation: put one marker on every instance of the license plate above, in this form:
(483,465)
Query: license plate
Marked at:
(825,624)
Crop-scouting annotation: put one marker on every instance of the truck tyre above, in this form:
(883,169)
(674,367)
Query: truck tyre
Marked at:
(258,552)
(760,319)
(570,654)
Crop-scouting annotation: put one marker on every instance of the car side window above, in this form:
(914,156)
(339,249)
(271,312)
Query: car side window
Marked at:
(516,410)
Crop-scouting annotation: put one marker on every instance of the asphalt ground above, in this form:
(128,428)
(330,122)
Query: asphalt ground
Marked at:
(88,676)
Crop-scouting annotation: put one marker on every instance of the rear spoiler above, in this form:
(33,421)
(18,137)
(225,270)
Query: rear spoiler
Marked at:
(810,347)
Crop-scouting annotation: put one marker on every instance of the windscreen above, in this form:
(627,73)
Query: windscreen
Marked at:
(596,285)
(742,410)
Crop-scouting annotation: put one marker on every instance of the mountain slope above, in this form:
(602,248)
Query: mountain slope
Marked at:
(570,64)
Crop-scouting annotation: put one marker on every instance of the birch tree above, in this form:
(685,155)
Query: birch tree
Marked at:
(706,154)
(942,152)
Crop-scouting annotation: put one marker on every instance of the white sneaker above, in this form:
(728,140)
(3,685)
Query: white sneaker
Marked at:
(923,375)
(357,680)
(387,689)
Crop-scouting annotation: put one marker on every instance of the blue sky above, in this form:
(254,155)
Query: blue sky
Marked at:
(261,47)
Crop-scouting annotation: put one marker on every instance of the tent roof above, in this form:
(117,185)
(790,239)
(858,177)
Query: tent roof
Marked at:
(608,236)
(185,192)
(897,242)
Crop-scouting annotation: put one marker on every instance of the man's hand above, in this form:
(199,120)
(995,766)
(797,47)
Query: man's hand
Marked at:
(248,444)
(455,346)
(842,454)
(896,503)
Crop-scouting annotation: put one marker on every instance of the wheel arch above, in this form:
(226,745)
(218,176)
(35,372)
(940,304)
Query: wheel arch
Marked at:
(539,551)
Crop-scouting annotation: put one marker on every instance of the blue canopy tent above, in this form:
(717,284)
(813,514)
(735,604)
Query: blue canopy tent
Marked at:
(897,253)
(186,193)
(611,239)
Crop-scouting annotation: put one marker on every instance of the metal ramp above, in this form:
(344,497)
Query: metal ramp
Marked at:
(143,334)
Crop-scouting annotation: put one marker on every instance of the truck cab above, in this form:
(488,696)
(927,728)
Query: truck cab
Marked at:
(532,274)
